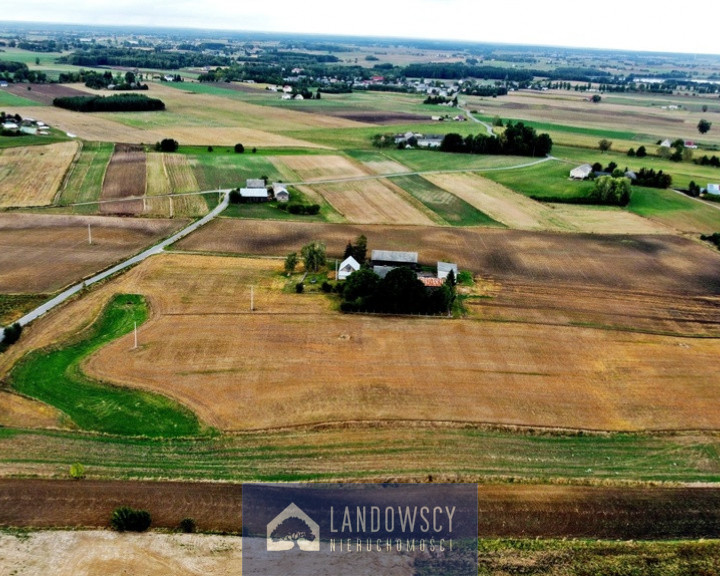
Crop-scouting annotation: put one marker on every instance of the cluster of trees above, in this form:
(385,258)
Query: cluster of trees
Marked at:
(19,72)
(115,103)
(93,79)
(313,255)
(485,90)
(708,161)
(441,100)
(357,250)
(167,145)
(11,334)
(712,238)
(131,58)
(517,140)
(400,292)
(300,209)
(611,191)
(651,179)
(641,152)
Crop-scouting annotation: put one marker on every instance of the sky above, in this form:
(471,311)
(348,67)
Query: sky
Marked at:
(615,24)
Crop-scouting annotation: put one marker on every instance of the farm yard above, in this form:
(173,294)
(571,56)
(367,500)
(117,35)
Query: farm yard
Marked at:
(32,176)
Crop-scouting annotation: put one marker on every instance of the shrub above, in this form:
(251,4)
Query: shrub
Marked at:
(239,148)
(167,145)
(299,287)
(11,334)
(188,525)
(77,471)
(126,519)
(326,287)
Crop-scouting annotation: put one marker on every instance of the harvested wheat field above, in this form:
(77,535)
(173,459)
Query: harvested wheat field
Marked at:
(374,202)
(318,168)
(172,174)
(20,412)
(656,264)
(31,175)
(125,177)
(42,253)
(202,337)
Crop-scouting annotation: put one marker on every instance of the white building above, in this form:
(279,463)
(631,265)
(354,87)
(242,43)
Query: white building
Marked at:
(347,267)
(581,172)
(713,189)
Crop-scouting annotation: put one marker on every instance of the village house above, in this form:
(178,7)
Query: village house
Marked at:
(581,172)
(254,191)
(347,267)
(280,192)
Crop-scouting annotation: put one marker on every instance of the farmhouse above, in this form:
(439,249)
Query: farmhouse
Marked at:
(347,267)
(666,143)
(713,189)
(581,172)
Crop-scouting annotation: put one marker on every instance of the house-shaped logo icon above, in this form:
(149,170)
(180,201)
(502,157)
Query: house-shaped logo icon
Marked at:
(292,526)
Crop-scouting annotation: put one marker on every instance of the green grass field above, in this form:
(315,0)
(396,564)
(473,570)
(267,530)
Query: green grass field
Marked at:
(230,170)
(675,209)
(452,209)
(371,454)
(84,183)
(549,179)
(9,99)
(54,376)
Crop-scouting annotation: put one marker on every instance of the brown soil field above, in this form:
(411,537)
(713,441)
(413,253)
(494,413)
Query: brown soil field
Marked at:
(43,93)
(314,168)
(31,176)
(654,264)
(386,167)
(374,202)
(503,510)
(125,176)
(378,117)
(42,253)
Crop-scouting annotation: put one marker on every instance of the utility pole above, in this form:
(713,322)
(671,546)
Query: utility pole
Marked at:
(136,343)
(252,299)
(172,210)
(89,234)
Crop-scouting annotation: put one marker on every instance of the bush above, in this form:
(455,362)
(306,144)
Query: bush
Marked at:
(188,525)
(126,519)
(167,145)
(326,287)
(77,471)
(299,287)
(11,334)
(239,148)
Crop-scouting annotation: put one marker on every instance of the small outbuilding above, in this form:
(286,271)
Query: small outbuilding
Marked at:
(581,172)
(347,267)
(254,194)
(280,192)
(444,268)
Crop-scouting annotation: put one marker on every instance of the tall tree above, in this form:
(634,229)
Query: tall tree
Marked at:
(704,126)
(290,263)
(360,249)
(313,256)
(604,145)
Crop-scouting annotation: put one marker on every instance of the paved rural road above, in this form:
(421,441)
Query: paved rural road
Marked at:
(157,249)
(487,126)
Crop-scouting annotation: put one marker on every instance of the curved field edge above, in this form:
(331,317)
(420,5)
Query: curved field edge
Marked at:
(54,376)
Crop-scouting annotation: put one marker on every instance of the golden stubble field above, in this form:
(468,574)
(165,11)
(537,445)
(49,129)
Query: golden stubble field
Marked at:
(295,361)
(172,174)
(31,176)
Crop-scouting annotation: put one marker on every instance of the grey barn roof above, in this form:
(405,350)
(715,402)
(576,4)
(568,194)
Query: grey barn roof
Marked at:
(393,256)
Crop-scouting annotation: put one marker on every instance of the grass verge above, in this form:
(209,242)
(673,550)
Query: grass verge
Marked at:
(54,376)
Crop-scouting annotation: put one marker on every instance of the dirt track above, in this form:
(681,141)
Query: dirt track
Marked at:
(504,510)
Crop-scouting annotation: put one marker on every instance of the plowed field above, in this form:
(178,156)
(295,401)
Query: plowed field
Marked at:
(125,177)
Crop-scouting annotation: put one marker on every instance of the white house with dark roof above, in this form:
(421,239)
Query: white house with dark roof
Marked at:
(347,267)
